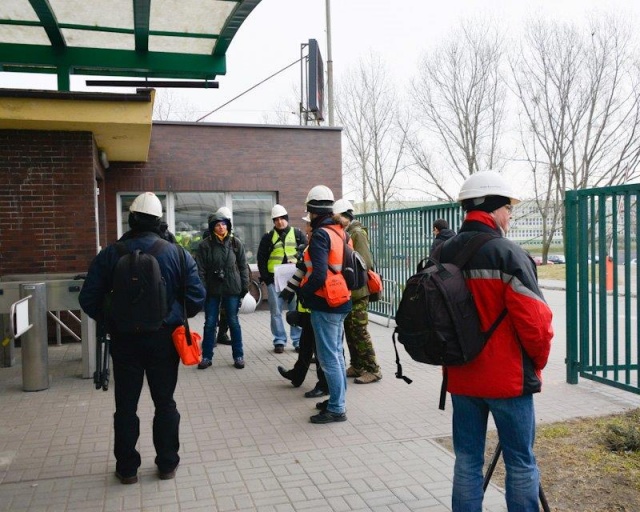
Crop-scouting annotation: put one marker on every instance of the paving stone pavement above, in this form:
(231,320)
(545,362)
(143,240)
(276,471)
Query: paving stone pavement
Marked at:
(246,440)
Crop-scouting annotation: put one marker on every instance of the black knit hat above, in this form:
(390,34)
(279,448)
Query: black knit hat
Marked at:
(489,203)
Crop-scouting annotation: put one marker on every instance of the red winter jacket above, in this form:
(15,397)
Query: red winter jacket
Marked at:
(502,275)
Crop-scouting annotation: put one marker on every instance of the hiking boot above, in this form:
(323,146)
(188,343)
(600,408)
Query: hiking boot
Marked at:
(127,480)
(322,406)
(238,363)
(278,349)
(223,339)
(352,372)
(328,417)
(368,378)
(205,363)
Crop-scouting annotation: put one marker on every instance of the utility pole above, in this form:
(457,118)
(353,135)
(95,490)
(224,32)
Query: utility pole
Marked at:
(329,65)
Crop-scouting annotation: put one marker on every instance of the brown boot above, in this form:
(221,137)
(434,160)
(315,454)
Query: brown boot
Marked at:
(368,378)
(352,372)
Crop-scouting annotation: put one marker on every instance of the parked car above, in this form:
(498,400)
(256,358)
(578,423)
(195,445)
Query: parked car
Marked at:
(557,259)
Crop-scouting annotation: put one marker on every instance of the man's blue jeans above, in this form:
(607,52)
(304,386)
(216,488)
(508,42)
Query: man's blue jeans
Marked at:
(276,306)
(515,421)
(211,314)
(329,330)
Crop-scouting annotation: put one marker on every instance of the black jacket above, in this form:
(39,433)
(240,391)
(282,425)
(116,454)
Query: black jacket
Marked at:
(98,281)
(228,256)
(441,237)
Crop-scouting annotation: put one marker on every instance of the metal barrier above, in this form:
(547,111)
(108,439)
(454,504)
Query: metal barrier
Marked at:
(399,239)
(603,320)
(62,292)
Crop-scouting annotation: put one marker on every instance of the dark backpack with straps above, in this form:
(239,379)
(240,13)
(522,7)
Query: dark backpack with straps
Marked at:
(437,320)
(137,301)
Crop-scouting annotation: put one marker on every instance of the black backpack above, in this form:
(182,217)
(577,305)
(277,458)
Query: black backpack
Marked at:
(354,268)
(137,301)
(437,320)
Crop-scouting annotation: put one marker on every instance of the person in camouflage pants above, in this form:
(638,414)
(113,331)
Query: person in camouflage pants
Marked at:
(364,366)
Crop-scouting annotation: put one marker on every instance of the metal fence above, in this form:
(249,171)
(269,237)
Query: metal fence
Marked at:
(602,231)
(399,239)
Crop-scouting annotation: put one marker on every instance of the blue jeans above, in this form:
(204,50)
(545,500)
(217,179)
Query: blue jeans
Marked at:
(276,306)
(211,312)
(515,421)
(329,330)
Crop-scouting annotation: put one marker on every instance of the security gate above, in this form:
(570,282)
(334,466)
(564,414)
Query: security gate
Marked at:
(602,233)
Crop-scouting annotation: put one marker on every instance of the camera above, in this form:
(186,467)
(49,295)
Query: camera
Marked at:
(219,274)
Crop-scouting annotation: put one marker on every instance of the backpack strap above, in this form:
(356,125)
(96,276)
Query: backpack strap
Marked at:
(461,259)
(345,239)
(183,292)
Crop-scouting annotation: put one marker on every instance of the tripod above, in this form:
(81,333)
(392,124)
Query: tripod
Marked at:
(101,375)
(492,467)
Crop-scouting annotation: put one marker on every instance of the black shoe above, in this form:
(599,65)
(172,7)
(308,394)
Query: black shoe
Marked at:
(315,393)
(168,475)
(328,417)
(205,363)
(322,406)
(278,349)
(127,480)
(239,363)
(283,372)
(223,339)
(297,349)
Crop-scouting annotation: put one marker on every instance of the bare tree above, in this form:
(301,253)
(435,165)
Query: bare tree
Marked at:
(579,111)
(170,106)
(367,108)
(459,97)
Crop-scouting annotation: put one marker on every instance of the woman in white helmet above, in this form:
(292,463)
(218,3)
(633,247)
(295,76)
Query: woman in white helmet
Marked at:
(501,380)
(364,365)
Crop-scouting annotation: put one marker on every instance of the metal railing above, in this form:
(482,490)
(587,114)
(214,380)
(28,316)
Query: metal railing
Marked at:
(603,318)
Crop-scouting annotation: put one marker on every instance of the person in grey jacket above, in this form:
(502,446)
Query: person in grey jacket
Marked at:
(223,269)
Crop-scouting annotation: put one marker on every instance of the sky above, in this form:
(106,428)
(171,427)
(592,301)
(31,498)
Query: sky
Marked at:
(398,31)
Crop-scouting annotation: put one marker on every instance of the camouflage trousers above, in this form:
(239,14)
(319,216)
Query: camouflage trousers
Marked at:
(361,351)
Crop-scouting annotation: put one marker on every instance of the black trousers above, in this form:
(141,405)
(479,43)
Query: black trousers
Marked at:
(134,356)
(307,349)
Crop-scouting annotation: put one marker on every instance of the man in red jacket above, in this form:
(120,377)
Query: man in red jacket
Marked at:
(504,376)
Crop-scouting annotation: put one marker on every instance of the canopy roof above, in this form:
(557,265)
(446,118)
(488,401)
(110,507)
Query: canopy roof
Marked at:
(185,39)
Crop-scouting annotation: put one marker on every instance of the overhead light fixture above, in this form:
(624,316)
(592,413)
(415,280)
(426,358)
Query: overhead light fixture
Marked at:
(103,159)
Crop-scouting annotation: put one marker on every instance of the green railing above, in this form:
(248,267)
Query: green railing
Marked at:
(399,240)
(603,319)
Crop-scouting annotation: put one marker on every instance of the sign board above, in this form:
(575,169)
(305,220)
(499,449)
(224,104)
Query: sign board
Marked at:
(20,317)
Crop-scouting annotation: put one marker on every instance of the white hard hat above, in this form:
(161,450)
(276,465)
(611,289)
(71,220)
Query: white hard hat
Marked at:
(224,211)
(486,183)
(278,211)
(320,200)
(147,203)
(342,206)
(248,304)
(306,218)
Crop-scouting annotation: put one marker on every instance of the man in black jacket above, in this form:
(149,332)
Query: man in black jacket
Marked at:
(151,353)
(442,233)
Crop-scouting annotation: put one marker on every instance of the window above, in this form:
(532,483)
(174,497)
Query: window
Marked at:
(187,213)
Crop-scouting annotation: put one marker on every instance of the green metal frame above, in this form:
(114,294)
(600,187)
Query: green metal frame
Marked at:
(600,346)
(399,240)
(63,60)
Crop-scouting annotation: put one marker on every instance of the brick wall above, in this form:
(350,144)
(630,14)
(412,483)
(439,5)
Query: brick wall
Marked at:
(46,201)
(231,158)
(47,214)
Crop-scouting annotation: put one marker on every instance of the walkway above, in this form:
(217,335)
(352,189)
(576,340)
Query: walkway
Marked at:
(247,444)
